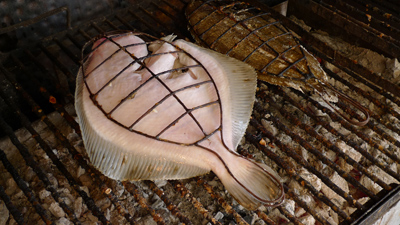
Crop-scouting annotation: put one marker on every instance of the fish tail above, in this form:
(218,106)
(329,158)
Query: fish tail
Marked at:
(252,184)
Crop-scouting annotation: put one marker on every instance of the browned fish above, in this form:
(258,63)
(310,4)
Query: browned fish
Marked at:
(244,32)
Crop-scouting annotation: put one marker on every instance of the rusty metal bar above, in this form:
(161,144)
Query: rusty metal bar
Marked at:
(51,99)
(74,41)
(159,28)
(189,196)
(25,122)
(337,57)
(39,112)
(111,24)
(292,173)
(67,51)
(291,217)
(61,66)
(351,143)
(165,12)
(170,206)
(306,165)
(228,208)
(265,218)
(141,20)
(351,128)
(373,126)
(329,145)
(365,17)
(371,99)
(20,182)
(17,215)
(133,189)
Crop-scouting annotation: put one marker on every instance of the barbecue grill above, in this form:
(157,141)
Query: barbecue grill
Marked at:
(334,172)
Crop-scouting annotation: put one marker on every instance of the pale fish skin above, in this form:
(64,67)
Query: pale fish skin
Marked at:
(181,151)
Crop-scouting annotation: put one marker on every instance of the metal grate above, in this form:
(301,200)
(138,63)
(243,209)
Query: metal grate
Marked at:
(47,169)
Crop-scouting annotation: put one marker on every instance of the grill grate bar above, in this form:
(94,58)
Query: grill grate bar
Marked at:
(373,126)
(291,172)
(294,174)
(25,122)
(36,108)
(375,101)
(310,168)
(335,57)
(21,184)
(353,129)
(366,19)
(228,208)
(133,189)
(265,218)
(189,196)
(113,26)
(349,160)
(283,210)
(170,206)
(165,12)
(67,51)
(17,215)
(45,93)
(320,156)
(306,165)
(364,32)
(31,163)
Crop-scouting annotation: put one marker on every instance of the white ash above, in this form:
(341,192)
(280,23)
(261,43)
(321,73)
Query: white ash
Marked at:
(56,210)
(63,221)
(307,220)
(341,183)
(5,214)
(302,193)
(312,178)
(219,216)
(367,182)
(289,205)
(268,125)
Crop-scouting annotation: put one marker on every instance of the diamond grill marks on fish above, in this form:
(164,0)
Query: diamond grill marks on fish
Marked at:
(244,32)
(161,109)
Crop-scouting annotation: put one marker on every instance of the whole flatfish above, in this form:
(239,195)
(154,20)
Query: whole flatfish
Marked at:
(161,109)
(251,35)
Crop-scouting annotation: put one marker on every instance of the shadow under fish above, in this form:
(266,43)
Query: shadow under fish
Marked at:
(251,35)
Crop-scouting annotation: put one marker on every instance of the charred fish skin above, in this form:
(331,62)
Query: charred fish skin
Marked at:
(244,32)
(155,109)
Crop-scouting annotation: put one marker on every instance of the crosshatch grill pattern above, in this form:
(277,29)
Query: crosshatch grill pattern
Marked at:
(172,91)
(50,67)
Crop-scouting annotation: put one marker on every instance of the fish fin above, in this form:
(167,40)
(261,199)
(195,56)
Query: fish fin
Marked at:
(117,160)
(241,87)
(252,184)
